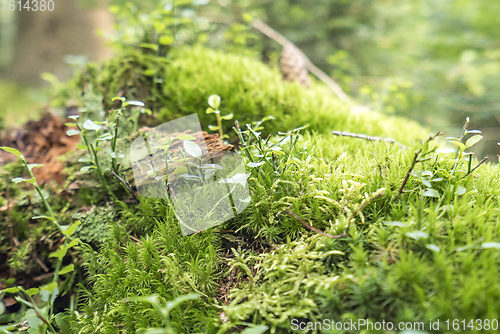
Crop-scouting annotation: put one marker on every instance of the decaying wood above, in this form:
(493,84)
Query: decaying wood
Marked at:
(41,142)
(211,145)
(293,67)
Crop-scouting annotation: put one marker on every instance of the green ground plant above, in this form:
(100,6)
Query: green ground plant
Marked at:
(40,318)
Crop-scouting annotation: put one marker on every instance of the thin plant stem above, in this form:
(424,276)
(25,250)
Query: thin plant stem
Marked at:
(378,193)
(314,229)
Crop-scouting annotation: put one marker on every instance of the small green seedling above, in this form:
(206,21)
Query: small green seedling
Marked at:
(214,103)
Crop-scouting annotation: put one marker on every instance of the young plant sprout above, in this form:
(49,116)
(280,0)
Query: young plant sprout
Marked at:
(214,103)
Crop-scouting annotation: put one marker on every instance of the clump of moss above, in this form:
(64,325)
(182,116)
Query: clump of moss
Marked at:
(249,89)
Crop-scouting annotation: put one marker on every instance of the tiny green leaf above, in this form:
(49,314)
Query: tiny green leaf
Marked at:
(181,170)
(170,305)
(431,193)
(149,72)
(417,235)
(460,190)
(213,128)
(73,243)
(67,269)
(49,287)
(60,253)
(72,132)
(11,150)
(13,289)
(192,149)
(255,164)
(459,144)
(214,101)
(106,136)
(473,140)
(85,169)
(72,229)
(20,179)
(90,125)
(33,291)
(227,117)
(433,248)
(134,103)
(486,245)
(210,111)
(31,166)
(400,224)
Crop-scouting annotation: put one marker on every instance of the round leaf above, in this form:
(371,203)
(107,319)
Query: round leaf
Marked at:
(192,149)
(431,193)
(255,164)
(72,132)
(473,140)
(90,125)
(11,150)
(214,101)
(67,269)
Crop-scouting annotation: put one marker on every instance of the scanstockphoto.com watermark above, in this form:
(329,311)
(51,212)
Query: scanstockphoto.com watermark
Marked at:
(173,161)
(366,324)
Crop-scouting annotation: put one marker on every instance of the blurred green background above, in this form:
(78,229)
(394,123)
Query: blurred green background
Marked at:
(434,61)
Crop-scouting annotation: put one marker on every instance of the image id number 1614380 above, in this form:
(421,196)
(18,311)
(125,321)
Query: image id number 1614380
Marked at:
(27,5)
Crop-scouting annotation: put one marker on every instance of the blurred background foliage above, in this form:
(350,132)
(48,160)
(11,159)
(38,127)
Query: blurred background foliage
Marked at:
(434,61)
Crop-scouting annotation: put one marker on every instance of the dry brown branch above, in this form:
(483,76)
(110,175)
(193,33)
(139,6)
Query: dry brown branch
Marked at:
(367,137)
(325,78)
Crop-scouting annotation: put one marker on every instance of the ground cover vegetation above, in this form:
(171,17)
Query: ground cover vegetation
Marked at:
(338,227)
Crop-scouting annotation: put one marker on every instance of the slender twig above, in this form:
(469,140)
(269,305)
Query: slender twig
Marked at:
(367,137)
(477,166)
(113,143)
(327,80)
(11,226)
(312,228)
(377,194)
(415,160)
(125,184)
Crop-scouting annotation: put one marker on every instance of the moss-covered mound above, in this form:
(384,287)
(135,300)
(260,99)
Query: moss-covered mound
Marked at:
(327,235)
(249,89)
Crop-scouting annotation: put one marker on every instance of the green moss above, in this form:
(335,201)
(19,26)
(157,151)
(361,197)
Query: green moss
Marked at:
(163,263)
(249,89)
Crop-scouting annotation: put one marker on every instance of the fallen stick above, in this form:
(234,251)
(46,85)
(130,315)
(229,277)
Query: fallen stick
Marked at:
(325,78)
(367,137)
